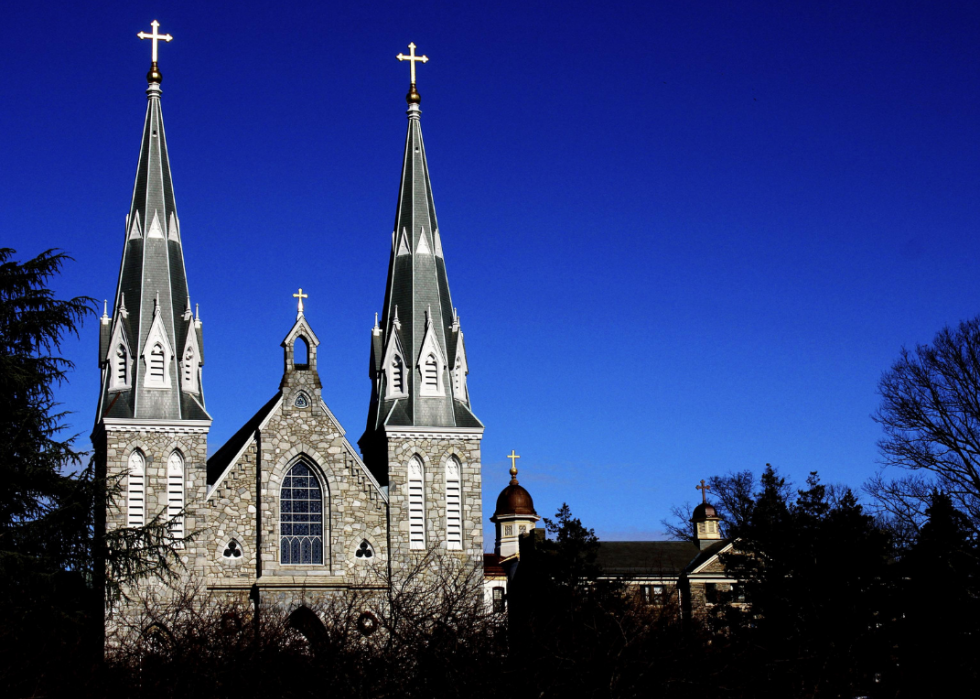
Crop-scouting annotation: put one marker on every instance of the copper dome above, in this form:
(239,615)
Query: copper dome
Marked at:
(514,500)
(704,511)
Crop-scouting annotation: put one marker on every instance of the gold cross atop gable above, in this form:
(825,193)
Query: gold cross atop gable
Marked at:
(704,491)
(156,37)
(300,296)
(414,59)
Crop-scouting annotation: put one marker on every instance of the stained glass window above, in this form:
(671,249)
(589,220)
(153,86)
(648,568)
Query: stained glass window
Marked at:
(301,518)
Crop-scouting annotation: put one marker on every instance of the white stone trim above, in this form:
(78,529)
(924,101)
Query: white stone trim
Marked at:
(192,384)
(414,432)
(122,424)
(394,349)
(712,558)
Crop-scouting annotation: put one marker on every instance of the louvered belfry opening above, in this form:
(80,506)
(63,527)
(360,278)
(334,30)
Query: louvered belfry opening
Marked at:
(416,504)
(135,497)
(454,528)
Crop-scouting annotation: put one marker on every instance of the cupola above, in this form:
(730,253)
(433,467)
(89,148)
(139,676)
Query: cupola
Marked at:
(705,520)
(514,516)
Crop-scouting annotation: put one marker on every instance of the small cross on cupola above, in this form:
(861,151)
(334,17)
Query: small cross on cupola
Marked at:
(154,75)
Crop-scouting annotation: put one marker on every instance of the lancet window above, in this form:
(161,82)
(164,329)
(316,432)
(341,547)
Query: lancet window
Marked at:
(175,495)
(454,520)
(430,374)
(157,368)
(135,487)
(416,504)
(301,505)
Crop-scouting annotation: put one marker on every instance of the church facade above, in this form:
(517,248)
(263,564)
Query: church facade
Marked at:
(288,509)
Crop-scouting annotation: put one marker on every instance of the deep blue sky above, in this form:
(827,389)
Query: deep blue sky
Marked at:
(683,238)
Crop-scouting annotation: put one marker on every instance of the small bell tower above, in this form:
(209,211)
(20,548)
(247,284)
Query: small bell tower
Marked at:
(705,520)
(514,515)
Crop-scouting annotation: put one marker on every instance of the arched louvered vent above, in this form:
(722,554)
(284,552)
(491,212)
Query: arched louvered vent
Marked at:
(157,363)
(416,504)
(397,375)
(135,497)
(175,496)
(454,520)
(430,373)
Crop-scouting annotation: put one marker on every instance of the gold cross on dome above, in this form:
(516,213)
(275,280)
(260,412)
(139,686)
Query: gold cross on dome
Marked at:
(156,37)
(300,296)
(513,456)
(704,491)
(414,59)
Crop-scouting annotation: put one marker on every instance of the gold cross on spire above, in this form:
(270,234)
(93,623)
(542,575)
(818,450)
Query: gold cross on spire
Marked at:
(413,58)
(300,296)
(704,491)
(156,38)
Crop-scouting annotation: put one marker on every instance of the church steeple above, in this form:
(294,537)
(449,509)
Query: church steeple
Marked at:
(151,351)
(418,360)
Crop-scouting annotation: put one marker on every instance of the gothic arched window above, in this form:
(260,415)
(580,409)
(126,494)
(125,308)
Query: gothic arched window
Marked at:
(121,361)
(175,495)
(454,519)
(135,500)
(301,517)
(301,353)
(189,370)
(416,504)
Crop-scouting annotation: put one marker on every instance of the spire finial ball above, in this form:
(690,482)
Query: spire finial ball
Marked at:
(413,97)
(154,75)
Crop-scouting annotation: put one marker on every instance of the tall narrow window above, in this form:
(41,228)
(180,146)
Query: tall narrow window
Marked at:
(454,521)
(135,500)
(301,518)
(157,364)
(416,504)
(430,373)
(499,603)
(175,495)
(397,375)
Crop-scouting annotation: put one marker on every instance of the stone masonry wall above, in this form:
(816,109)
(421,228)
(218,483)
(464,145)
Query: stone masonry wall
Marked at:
(435,451)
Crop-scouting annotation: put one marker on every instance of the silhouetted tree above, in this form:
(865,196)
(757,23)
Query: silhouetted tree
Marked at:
(930,412)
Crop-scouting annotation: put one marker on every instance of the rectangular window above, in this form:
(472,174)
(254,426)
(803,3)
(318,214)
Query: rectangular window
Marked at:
(499,602)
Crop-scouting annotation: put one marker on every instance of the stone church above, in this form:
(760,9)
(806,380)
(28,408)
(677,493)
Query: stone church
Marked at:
(289,509)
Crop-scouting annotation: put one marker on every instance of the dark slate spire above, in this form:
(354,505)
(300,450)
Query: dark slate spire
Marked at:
(418,362)
(151,348)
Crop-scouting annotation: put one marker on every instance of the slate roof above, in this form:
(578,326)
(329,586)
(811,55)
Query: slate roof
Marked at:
(418,287)
(654,558)
(221,459)
(152,274)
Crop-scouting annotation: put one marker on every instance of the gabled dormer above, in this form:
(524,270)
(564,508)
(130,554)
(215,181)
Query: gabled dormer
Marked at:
(157,354)
(192,358)
(431,363)
(118,359)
